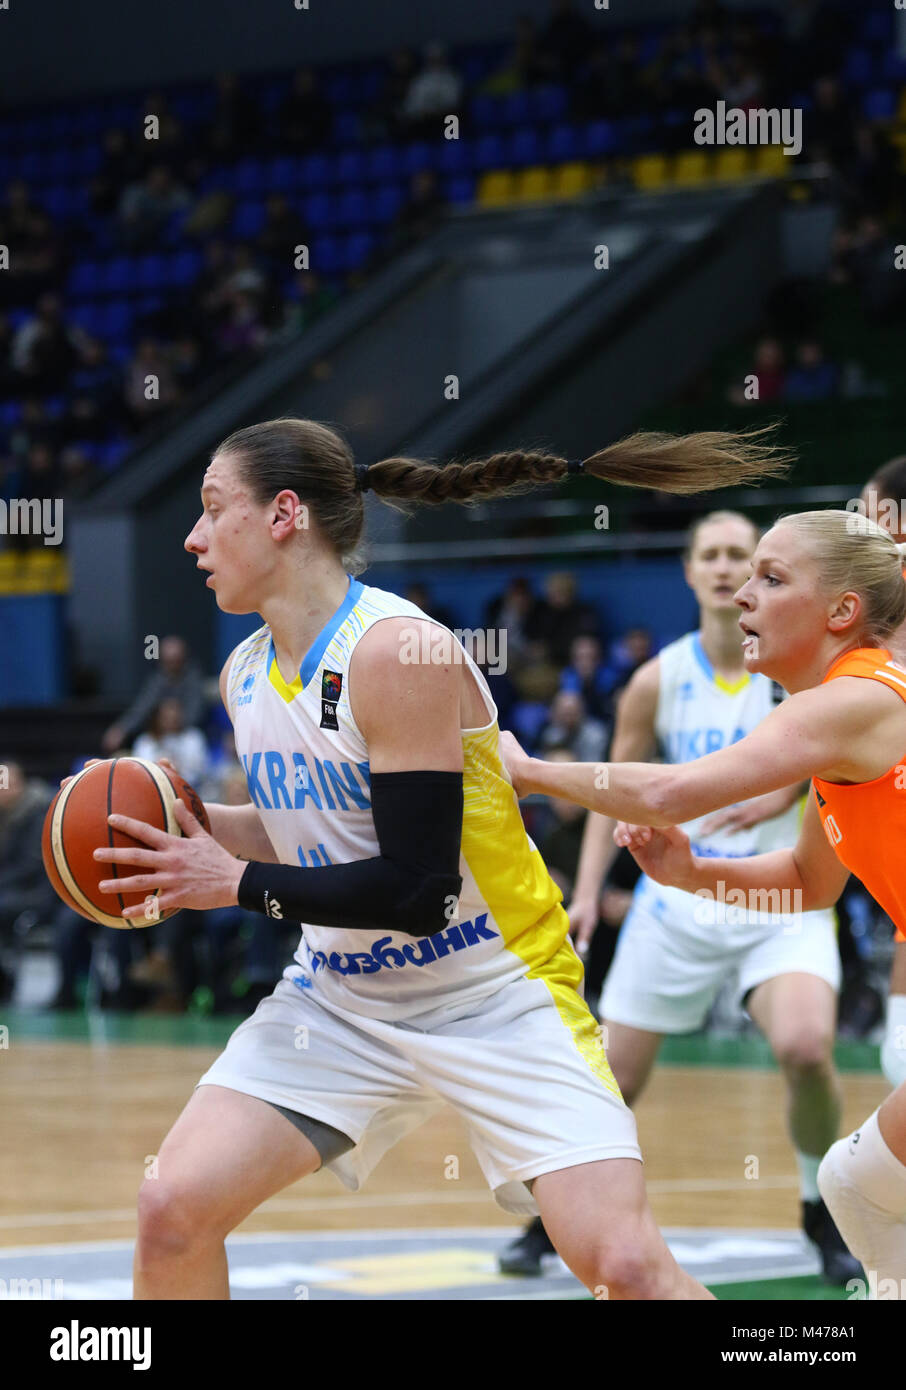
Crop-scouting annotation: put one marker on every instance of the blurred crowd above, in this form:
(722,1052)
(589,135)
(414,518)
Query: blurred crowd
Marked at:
(86,399)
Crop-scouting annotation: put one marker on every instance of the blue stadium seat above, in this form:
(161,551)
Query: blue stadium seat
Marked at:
(523,147)
(387,202)
(86,316)
(383,163)
(459,189)
(350,167)
(116,319)
(488,153)
(599,138)
(318,212)
(346,128)
(456,156)
(248,219)
(893,68)
(282,174)
(338,88)
(315,171)
(880,104)
(357,250)
(419,156)
(184,268)
(562,145)
(10,414)
(354,208)
(85,162)
(877,27)
(516,109)
(486,112)
(857,70)
(250,178)
(118,276)
(548,103)
(326,255)
(151,272)
(84,279)
(111,454)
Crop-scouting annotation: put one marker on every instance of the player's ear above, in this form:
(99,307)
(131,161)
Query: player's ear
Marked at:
(286,509)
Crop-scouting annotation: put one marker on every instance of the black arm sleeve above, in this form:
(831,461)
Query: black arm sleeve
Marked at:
(412,887)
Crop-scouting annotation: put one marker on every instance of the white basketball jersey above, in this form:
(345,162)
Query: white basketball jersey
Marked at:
(306,763)
(698,712)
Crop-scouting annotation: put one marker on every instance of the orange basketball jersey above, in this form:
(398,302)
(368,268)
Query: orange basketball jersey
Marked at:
(866,821)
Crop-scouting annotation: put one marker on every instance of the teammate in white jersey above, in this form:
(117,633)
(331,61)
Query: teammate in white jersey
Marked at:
(674,950)
(435,962)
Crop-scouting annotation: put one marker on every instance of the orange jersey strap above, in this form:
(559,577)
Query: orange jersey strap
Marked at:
(865,822)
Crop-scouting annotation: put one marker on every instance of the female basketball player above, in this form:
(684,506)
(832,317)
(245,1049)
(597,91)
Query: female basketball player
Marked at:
(693,697)
(826,593)
(883,500)
(435,961)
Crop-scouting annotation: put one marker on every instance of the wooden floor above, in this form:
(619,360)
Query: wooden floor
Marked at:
(78,1122)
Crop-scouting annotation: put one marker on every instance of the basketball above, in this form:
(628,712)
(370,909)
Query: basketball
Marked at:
(76,825)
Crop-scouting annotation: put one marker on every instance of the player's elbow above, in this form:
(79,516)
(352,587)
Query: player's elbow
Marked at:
(432,905)
(664,799)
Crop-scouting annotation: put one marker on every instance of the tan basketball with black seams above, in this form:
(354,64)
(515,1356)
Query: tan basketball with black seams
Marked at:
(76,825)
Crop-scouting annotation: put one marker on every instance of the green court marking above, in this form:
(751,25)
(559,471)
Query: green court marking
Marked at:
(807,1288)
(189,1030)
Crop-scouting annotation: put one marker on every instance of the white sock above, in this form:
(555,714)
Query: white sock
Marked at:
(875,1170)
(893,1048)
(808,1176)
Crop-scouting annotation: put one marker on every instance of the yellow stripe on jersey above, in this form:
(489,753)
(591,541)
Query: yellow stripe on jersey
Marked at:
(526,903)
(288,692)
(731,687)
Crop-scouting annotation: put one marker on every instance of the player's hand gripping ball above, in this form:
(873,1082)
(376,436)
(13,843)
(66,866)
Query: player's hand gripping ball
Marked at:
(76,825)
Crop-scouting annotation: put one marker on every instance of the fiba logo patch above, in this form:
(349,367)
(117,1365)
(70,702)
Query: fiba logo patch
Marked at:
(331,689)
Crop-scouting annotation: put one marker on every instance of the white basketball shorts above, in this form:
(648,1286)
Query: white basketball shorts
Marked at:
(525,1069)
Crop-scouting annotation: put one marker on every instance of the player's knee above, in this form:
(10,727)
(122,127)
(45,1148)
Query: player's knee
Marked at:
(804,1051)
(171,1219)
(625,1270)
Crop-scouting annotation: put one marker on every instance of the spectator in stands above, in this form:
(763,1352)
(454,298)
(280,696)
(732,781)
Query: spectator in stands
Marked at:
(560,842)
(45,348)
(78,474)
(245,275)
(122,165)
(307,297)
(9,381)
(243,329)
(627,654)
(830,124)
(386,119)
(813,378)
(523,65)
(168,737)
(434,92)
(420,595)
(561,617)
(146,207)
(565,41)
(235,126)
(304,119)
(35,426)
(150,386)
(420,213)
(187,360)
(178,678)
(870,174)
(24,886)
(590,676)
(570,726)
(95,375)
(769,372)
(282,232)
(515,611)
(84,421)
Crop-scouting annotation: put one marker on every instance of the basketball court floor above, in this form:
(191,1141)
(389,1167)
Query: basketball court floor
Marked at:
(87,1099)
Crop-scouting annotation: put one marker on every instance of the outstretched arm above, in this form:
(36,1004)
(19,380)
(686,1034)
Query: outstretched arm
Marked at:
(842,730)
(810,874)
